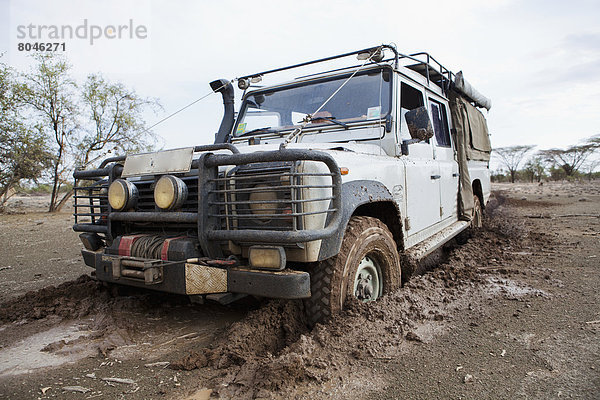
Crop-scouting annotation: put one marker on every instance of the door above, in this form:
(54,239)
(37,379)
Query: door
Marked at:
(422,170)
(444,157)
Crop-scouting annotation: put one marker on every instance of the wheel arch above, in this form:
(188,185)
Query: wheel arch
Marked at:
(388,213)
(336,279)
(369,199)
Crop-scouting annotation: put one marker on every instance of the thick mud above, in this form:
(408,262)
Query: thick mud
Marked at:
(74,299)
(86,320)
(271,352)
(83,338)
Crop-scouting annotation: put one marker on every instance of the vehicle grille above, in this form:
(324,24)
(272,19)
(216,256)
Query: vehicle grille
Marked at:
(264,196)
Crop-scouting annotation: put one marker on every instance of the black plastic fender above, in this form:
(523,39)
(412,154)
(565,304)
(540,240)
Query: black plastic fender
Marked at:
(354,194)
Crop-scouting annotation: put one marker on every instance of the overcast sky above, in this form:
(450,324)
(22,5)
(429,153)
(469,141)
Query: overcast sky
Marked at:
(539,61)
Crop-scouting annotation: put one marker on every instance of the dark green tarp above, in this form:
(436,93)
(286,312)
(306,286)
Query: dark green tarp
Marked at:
(472,143)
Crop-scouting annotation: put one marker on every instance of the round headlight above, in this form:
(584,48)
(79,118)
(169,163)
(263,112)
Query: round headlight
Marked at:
(170,192)
(122,195)
(258,205)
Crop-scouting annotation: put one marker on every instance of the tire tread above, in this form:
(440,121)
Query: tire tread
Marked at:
(321,305)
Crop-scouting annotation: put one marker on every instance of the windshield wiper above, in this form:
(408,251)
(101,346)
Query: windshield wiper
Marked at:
(332,119)
(267,129)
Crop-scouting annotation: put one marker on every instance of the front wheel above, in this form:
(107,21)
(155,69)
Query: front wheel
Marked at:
(367,266)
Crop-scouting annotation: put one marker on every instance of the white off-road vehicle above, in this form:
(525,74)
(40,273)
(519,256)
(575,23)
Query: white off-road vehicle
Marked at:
(322,188)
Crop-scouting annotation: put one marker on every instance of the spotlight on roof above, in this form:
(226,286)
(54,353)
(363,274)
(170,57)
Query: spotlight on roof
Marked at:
(376,55)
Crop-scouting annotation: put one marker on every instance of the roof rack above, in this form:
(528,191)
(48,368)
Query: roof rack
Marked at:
(435,72)
(431,69)
(422,63)
(368,50)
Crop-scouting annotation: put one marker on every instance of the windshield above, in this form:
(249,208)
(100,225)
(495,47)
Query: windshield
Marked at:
(366,96)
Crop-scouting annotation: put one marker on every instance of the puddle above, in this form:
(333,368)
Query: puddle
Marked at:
(25,356)
(128,330)
(512,290)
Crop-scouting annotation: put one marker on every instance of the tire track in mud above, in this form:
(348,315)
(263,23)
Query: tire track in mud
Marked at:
(270,351)
(272,354)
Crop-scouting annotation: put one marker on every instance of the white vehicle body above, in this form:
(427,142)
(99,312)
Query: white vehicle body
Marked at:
(322,188)
(424,183)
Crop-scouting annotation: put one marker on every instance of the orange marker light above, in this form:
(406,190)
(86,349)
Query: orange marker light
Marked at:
(344,171)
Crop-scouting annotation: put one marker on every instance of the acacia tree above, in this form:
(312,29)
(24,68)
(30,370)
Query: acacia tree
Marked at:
(590,166)
(113,123)
(23,149)
(116,116)
(50,93)
(84,126)
(593,161)
(511,157)
(570,159)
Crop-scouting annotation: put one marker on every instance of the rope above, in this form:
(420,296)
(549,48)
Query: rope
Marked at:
(297,133)
(187,106)
(148,247)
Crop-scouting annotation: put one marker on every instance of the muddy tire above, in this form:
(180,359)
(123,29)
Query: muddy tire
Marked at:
(477,221)
(367,266)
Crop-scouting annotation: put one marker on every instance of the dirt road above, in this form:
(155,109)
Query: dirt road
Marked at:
(512,313)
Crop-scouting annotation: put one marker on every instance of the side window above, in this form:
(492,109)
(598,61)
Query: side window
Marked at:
(440,123)
(410,98)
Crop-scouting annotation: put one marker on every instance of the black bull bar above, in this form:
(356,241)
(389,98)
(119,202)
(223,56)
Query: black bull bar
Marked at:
(208,229)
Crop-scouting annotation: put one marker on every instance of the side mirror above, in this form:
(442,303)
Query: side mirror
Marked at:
(419,124)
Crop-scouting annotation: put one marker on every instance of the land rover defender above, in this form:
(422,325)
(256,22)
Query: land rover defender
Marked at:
(325,187)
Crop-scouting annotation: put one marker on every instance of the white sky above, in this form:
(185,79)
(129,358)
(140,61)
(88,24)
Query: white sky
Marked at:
(539,61)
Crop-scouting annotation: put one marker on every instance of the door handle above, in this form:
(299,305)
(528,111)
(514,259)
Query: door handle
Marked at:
(455,175)
(436,176)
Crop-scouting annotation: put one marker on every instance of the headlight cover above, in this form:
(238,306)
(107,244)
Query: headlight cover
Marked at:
(122,195)
(262,201)
(170,192)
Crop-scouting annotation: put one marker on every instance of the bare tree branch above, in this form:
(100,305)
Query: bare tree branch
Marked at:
(511,157)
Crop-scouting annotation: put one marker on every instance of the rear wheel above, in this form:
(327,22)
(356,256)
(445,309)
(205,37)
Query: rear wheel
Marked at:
(367,266)
(477,221)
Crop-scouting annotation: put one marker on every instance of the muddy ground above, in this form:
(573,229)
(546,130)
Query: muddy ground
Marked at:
(512,313)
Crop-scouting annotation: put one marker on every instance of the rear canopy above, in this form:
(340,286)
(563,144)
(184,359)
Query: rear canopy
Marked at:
(472,143)
(470,123)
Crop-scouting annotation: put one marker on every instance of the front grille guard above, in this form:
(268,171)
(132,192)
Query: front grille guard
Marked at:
(209,223)
(279,210)
(210,232)
(90,203)
(92,211)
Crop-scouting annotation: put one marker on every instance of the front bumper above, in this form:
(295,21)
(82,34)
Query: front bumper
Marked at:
(193,279)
